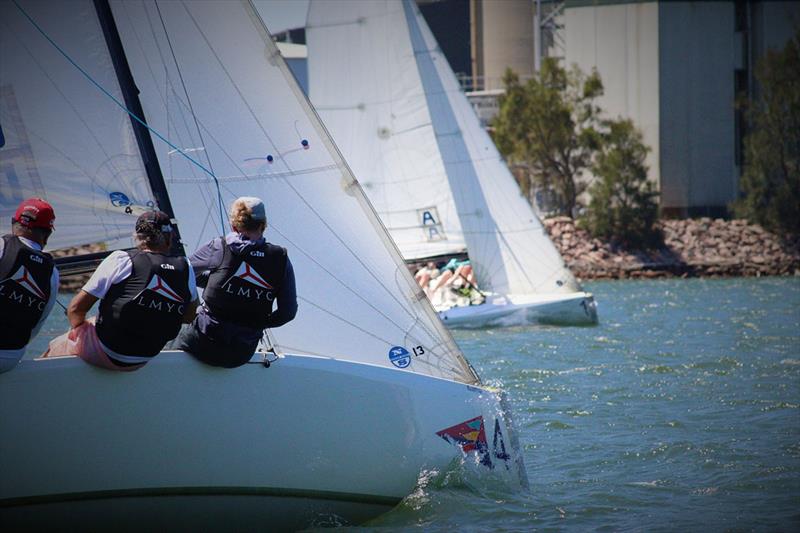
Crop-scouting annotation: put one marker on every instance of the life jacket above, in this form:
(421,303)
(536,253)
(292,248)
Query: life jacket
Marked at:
(140,314)
(24,291)
(243,288)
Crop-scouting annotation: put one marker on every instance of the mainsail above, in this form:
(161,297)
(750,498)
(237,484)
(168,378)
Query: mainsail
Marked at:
(509,249)
(374,104)
(63,139)
(212,81)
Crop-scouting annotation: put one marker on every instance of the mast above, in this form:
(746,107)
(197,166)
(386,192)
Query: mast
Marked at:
(131,94)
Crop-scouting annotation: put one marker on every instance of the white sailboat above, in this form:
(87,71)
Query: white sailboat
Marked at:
(395,109)
(366,389)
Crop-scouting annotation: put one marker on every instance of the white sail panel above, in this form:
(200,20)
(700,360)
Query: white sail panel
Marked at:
(213,82)
(365,85)
(63,139)
(509,248)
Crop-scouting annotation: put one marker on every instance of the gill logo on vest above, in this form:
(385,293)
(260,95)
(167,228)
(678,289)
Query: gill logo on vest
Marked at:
(23,279)
(256,288)
(169,301)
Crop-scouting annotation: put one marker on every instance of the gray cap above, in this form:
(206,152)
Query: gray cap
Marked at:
(256,207)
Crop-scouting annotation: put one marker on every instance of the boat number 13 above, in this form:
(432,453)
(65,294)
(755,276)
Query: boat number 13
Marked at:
(418,350)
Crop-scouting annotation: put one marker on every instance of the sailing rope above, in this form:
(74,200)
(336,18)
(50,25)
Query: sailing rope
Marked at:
(111,96)
(194,116)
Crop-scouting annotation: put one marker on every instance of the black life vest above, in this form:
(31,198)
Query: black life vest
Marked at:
(140,314)
(24,291)
(243,288)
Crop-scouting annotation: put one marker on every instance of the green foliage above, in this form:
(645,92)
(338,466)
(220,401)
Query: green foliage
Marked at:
(770,184)
(623,208)
(549,126)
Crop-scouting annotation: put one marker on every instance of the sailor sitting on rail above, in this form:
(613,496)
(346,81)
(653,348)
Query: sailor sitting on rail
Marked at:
(243,276)
(28,279)
(144,296)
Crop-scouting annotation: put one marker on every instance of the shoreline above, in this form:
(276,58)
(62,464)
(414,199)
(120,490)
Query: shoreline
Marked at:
(703,247)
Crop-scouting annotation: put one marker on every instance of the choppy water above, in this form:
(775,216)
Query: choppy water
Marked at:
(680,411)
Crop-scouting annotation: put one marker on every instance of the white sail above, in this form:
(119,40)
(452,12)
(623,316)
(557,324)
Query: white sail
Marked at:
(215,89)
(368,92)
(61,138)
(212,81)
(509,249)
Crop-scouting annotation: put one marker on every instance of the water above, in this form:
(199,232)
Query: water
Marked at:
(680,411)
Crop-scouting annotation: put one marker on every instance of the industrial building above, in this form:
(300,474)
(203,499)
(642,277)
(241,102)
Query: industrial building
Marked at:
(674,68)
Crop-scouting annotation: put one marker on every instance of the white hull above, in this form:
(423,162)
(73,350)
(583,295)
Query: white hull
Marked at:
(181,445)
(576,309)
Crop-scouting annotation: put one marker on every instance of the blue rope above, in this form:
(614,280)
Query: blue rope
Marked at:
(120,104)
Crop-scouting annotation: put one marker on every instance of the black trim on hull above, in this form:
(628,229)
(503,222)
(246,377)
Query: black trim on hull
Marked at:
(277,492)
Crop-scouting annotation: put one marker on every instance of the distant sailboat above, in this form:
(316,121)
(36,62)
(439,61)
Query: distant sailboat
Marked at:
(366,388)
(394,107)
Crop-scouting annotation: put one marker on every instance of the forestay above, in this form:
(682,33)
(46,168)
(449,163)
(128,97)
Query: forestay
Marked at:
(213,82)
(365,85)
(61,138)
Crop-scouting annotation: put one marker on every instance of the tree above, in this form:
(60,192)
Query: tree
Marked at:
(770,184)
(549,125)
(623,206)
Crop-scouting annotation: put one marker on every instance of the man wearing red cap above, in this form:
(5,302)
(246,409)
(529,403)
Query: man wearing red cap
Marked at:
(28,279)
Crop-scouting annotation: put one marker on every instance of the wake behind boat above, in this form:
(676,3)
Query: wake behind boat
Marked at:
(392,103)
(110,109)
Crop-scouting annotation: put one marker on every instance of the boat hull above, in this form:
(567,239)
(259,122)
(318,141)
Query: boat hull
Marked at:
(569,309)
(307,441)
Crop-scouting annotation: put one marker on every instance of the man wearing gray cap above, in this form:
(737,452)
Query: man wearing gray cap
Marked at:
(244,276)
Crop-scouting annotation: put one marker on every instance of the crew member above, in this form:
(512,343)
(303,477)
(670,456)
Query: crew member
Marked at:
(28,279)
(244,276)
(144,296)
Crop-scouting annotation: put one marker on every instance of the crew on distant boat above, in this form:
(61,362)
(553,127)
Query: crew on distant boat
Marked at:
(144,296)
(425,274)
(28,279)
(453,285)
(243,276)
(455,270)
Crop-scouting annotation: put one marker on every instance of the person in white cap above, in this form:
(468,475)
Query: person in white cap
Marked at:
(244,277)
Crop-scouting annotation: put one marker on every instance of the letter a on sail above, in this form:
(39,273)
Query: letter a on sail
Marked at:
(160,286)
(247,273)
(24,279)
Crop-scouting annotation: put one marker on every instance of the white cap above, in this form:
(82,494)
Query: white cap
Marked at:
(256,207)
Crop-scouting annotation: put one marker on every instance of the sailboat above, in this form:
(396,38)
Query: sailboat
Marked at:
(111,108)
(394,107)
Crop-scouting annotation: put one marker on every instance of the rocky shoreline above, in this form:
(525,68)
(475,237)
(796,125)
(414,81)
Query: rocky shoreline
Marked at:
(701,247)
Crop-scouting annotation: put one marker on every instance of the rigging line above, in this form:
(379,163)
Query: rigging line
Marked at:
(61,93)
(376,337)
(269,139)
(104,91)
(194,115)
(348,288)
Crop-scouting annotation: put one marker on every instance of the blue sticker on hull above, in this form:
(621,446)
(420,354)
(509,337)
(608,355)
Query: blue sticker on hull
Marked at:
(399,356)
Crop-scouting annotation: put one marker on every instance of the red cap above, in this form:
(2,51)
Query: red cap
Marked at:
(35,213)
